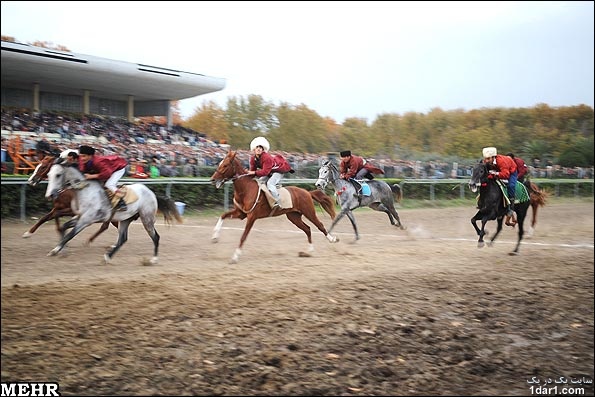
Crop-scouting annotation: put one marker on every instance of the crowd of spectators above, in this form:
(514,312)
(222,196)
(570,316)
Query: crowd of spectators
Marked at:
(180,152)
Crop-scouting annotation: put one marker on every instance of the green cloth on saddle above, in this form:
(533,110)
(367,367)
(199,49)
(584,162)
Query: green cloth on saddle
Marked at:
(521,194)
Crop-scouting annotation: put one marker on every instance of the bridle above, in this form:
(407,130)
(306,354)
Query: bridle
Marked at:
(236,175)
(331,171)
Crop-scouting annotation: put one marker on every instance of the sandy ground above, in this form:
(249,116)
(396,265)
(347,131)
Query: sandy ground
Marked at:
(415,312)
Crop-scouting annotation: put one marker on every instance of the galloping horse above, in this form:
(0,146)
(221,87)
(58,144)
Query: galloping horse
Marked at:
(94,206)
(62,204)
(251,204)
(381,197)
(491,205)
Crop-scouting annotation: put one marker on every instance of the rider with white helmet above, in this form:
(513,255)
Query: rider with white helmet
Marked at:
(264,166)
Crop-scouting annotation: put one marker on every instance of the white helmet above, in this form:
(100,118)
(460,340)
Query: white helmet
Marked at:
(260,141)
(489,152)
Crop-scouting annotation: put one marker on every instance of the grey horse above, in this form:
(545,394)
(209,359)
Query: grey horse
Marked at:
(94,206)
(381,197)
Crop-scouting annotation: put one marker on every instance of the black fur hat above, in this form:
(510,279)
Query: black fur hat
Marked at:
(87,150)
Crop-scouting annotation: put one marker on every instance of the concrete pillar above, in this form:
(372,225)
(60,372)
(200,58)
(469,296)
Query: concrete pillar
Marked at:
(86,102)
(169,116)
(130,108)
(36,107)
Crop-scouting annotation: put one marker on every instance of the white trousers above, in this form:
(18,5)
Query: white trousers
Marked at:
(272,182)
(112,182)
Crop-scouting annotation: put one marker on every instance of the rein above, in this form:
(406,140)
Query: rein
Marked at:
(235,177)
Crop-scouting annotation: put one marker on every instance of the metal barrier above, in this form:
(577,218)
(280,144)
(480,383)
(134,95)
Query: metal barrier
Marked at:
(226,188)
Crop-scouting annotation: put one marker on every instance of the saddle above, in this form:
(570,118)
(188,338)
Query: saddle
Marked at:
(123,192)
(284,196)
(520,192)
(361,186)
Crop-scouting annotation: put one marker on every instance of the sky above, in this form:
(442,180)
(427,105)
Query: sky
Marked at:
(340,59)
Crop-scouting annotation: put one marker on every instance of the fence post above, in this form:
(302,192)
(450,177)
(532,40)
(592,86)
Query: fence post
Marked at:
(23,201)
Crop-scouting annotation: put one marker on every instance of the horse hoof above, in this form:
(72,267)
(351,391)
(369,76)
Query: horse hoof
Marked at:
(215,240)
(233,261)
(480,245)
(303,254)
(106,259)
(27,235)
(513,253)
(154,260)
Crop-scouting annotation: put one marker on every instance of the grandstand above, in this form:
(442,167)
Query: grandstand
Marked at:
(49,80)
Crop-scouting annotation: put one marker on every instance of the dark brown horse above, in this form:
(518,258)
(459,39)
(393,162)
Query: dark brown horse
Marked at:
(251,204)
(62,204)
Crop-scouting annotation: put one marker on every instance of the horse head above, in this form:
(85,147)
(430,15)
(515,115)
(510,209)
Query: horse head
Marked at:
(479,176)
(228,168)
(325,175)
(62,174)
(41,171)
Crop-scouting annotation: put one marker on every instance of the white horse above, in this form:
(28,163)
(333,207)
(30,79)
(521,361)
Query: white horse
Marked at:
(94,206)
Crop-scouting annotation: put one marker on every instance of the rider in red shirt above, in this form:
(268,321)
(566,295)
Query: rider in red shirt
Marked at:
(354,167)
(107,169)
(504,168)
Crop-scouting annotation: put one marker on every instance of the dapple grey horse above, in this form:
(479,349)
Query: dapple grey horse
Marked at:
(381,196)
(94,206)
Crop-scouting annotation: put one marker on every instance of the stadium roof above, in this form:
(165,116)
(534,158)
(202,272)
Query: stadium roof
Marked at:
(23,65)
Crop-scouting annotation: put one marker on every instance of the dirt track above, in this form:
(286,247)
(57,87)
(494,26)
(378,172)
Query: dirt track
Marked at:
(415,312)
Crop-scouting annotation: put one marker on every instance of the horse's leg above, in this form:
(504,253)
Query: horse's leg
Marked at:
(382,208)
(310,214)
(535,207)
(500,221)
(40,222)
(521,215)
(102,229)
(149,224)
(79,226)
(296,219)
(391,211)
(234,213)
(122,238)
(480,232)
(67,225)
(337,219)
(250,219)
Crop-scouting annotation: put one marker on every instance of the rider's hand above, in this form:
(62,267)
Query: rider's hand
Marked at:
(492,172)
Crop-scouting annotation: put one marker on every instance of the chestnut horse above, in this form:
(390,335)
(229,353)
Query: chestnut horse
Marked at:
(251,204)
(62,204)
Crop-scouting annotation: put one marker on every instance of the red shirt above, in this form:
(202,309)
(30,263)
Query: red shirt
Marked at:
(505,166)
(349,167)
(105,166)
(266,164)
(521,167)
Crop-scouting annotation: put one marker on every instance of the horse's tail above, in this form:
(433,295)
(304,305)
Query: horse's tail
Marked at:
(537,195)
(325,202)
(398,193)
(169,210)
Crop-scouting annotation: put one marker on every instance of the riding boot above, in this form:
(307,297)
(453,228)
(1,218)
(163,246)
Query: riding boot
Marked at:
(359,194)
(121,206)
(358,190)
